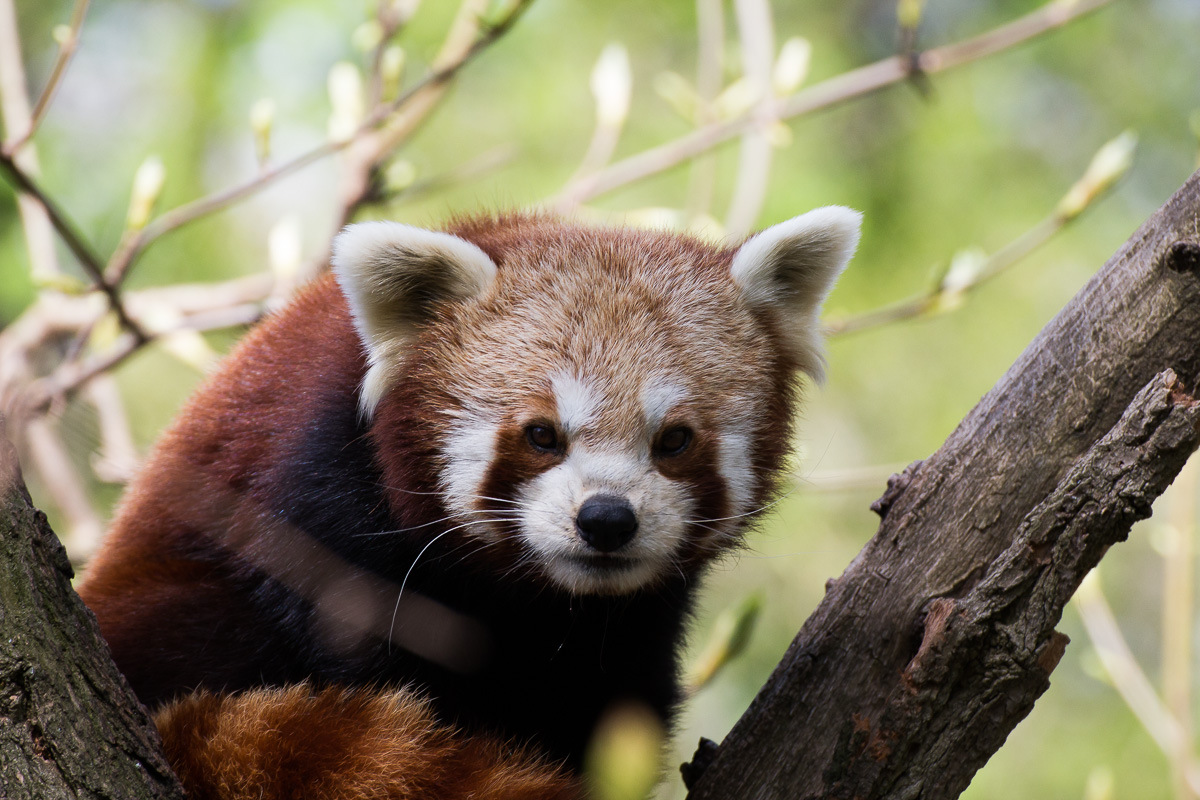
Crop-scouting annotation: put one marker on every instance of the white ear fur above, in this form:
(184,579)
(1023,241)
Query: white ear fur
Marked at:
(791,267)
(392,276)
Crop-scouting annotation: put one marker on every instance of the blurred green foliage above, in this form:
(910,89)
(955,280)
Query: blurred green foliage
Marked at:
(980,157)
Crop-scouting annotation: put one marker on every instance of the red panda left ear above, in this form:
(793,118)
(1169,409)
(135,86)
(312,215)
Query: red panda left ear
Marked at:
(789,269)
(394,276)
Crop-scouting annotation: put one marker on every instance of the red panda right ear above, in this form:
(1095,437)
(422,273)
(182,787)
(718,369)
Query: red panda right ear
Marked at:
(393,276)
(788,269)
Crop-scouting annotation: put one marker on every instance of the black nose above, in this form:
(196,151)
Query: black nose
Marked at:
(606,522)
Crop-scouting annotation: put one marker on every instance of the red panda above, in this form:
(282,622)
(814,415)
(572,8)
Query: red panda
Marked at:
(432,520)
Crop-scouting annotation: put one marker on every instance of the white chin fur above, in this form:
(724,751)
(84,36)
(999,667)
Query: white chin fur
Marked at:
(579,577)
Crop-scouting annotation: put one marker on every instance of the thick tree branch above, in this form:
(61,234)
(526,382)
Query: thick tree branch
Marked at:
(69,724)
(884,679)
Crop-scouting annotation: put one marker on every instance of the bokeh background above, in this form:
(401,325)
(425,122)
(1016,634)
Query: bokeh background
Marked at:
(970,158)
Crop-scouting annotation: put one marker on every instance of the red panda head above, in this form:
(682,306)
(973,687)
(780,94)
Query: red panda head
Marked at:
(603,407)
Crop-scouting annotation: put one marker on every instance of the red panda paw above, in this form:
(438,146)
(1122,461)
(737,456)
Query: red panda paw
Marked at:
(342,744)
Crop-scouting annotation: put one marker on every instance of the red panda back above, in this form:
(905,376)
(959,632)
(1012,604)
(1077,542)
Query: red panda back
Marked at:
(161,584)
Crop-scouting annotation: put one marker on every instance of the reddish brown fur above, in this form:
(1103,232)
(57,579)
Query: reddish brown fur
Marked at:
(158,561)
(339,744)
(177,568)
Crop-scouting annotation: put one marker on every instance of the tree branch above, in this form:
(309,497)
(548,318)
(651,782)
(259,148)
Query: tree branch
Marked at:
(70,726)
(82,251)
(882,680)
(66,50)
(382,117)
(839,89)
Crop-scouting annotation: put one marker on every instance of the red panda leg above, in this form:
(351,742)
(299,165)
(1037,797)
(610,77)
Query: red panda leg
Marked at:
(341,744)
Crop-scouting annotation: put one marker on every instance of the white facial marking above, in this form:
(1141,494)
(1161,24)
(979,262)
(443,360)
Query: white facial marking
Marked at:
(469,449)
(659,396)
(734,465)
(618,473)
(575,399)
(551,501)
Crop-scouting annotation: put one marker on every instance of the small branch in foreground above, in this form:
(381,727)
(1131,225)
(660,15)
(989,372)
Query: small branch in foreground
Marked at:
(1130,680)
(64,483)
(71,375)
(16,116)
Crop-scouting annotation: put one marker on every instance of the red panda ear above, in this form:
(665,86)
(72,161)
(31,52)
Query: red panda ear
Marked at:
(789,269)
(393,276)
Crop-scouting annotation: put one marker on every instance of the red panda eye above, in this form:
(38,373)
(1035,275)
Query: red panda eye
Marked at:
(542,437)
(674,441)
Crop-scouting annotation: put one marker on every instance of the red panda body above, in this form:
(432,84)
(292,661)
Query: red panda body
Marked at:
(489,464)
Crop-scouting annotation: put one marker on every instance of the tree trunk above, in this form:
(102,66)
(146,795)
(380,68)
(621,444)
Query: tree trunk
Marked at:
(69,724)
(938,638)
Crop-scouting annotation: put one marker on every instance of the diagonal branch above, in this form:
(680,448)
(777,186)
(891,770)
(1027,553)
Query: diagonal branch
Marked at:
(66,50)
(136,245)
(881,686)
(74,241)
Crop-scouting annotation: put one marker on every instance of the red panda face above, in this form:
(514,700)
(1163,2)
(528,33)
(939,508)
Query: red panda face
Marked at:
(607,407)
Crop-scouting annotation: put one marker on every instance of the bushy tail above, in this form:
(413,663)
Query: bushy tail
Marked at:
(342,744)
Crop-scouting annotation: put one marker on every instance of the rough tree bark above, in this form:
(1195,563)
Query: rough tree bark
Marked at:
(70,726)
(938,638)
(932,645)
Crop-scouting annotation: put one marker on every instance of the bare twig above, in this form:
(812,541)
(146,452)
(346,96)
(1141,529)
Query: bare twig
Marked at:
(932,299)
(391,19)
(1109,164)
(398,120)
(72,374)
(14,108)
(134,246)
(476,167)
(1131,682)
(194,307)
(611,87)
(63,483)
(117,458)
(1178,618)
(839,89)
(125,257)
(67,47)
(75,242)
